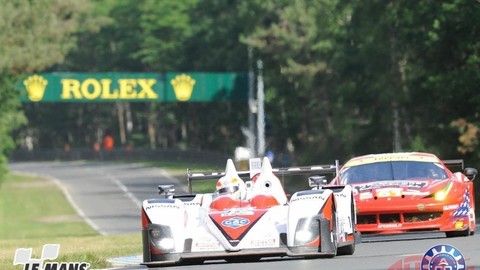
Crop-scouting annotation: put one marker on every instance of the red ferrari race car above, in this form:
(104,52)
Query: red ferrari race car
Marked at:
(405,192)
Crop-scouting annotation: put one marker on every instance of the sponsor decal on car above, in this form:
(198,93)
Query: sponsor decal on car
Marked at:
(450,207)
(309,197)
(389,157)
(162,206)
(49,252)
(464,208)
(389,225)
(206,243)
(366,196)
(235,222)
(263,243)
(389,192)
(191,203)
(238,212)
(414,185)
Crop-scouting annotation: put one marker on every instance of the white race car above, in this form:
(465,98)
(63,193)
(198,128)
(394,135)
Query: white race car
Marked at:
(262,222)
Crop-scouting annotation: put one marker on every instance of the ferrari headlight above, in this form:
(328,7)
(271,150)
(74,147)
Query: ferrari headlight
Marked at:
(440,195)
(443,193)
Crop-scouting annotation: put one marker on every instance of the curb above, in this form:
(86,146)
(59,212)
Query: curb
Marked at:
(132,260)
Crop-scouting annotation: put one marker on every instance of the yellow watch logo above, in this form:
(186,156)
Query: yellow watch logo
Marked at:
(183,87)
(35,87)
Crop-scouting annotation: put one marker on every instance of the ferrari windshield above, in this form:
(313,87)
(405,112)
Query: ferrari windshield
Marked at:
(392,170)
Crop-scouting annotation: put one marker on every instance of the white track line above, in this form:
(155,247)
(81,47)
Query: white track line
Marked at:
(125,190)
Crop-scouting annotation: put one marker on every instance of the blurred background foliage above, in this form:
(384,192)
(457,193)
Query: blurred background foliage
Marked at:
(342,77)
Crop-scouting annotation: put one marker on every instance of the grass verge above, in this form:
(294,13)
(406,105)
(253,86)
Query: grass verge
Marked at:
(34,212)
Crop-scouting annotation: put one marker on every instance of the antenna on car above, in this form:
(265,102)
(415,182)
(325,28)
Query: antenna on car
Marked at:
(337,167)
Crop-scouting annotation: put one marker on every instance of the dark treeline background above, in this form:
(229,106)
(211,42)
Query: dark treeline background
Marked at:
(342,77)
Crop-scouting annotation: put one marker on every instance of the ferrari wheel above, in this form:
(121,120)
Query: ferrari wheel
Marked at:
(466,232)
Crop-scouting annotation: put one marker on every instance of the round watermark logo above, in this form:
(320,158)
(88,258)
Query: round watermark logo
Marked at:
(442,257)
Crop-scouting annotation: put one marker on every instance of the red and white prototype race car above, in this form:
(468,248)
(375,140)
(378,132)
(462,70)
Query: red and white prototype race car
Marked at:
(406,192)
(245,221)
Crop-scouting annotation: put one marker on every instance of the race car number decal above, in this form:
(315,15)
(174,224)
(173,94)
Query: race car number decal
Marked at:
(235,222)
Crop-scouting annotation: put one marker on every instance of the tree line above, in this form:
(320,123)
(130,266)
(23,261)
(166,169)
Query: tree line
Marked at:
(342,77)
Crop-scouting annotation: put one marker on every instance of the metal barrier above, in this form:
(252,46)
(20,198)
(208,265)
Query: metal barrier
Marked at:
(194,156)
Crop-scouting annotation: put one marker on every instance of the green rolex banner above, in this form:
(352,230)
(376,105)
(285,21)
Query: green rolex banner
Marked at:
(113,87)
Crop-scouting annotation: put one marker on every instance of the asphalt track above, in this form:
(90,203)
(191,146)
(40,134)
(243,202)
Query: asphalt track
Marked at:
(109,195)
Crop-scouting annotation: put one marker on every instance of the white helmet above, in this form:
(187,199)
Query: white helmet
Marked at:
(231,184)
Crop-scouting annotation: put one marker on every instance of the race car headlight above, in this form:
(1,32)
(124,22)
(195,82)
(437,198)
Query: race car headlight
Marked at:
(443,193)
(161,237)
(303,236)
(440,195)
(307,231)
(165,243)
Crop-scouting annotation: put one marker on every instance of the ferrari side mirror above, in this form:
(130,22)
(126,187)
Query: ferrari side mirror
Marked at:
(470,173)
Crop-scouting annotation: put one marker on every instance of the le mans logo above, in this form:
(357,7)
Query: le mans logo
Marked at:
(49,252)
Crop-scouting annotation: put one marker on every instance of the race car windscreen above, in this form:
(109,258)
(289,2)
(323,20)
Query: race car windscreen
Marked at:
(392,170)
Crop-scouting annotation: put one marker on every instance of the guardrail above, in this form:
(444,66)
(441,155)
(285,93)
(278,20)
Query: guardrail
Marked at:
(197,156)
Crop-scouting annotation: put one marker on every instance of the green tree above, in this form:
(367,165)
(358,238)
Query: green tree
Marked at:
(417,63)
(35,35)
(10,118)
(297,41)
(165,36)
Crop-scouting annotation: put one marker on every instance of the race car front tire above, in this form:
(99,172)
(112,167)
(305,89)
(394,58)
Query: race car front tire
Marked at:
(328,239)
(346,250)
(466,232)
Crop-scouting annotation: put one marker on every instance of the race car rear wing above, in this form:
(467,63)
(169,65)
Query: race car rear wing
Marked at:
(454,164)
(305,170)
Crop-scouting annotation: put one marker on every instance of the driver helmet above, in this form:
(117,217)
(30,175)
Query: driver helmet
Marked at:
(232,186)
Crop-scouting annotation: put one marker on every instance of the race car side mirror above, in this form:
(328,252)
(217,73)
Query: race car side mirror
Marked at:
(316,181)
(470,173)
(168,190)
